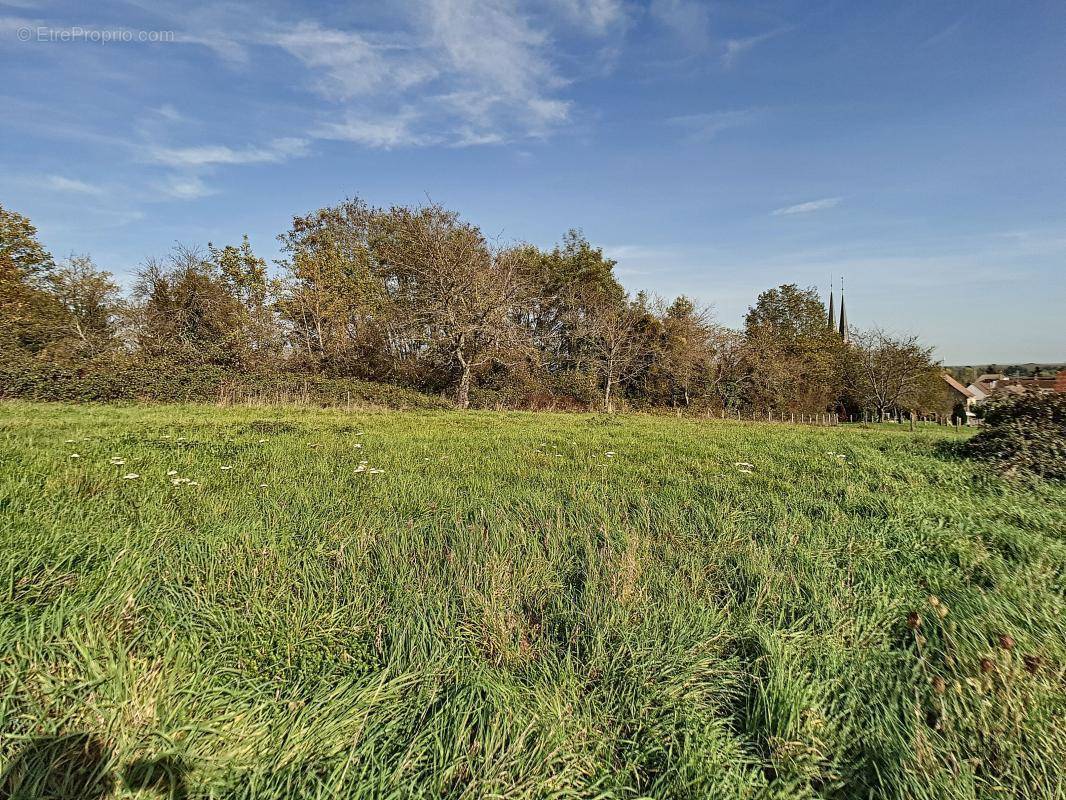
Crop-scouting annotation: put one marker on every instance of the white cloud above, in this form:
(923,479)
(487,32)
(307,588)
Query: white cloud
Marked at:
(808,207)
(735,48)
(72,185)
(478,72)
(384,133)
(185,187)
(208,155)
(496,58)
(595,16)
(350,63)
(704,127)
(169,113)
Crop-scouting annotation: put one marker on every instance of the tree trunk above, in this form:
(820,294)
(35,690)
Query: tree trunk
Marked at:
(462,394)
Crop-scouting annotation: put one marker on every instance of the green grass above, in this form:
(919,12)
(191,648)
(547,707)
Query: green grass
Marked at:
(507,611)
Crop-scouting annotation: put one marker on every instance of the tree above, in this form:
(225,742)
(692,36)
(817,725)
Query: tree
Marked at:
(457,295)
(91,300)
(245,277)
(21,256)
(618,344)
(793,358)
(727,377)
(336,297)
(884,374)
(685,350)
(30,318)
(184,311)
(561,288)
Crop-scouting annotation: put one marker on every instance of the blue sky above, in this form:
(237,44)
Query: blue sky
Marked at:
(714,149)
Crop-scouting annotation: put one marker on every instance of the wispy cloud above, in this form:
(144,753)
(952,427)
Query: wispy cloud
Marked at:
(944,33)
(209,155)
(808,207)
(705,126)
(185,187)
(71,185)
(478,71)
(595,16)
(348,64)
(735,48)
(384,133)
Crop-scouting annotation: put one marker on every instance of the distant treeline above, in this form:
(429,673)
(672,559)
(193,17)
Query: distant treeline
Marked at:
(414,306)
(1031,369)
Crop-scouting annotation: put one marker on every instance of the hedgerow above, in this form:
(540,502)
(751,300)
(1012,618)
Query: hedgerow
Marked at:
(1024,435)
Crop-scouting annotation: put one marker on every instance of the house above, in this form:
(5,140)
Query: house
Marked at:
(962,397)
(995,384)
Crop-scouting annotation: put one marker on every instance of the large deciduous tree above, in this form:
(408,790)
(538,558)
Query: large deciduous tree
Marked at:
(883,373)
(91,300)
(456,294)
(30,317)
(185,312)
(793,357)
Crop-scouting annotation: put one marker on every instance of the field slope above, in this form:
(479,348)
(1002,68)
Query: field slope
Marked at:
(203,602)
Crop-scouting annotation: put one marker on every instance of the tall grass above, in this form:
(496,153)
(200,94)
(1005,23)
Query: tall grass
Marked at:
(521,606)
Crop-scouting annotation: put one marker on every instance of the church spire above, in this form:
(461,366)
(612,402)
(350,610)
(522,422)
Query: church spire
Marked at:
(832,312)
(843,314)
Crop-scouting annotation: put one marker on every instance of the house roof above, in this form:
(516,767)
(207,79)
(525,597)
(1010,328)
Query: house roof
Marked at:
(954,384)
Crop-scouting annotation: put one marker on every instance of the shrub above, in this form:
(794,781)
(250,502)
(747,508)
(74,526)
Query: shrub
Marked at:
(1025,434)
(122,377)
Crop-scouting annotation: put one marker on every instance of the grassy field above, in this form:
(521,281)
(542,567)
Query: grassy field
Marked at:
(203,602)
